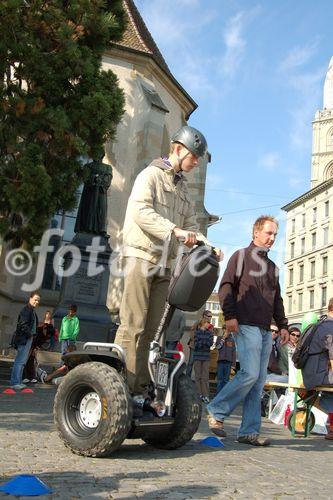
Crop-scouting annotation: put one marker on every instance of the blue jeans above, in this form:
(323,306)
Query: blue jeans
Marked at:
(254,346)
(223,374)
(65,345)
(22,356)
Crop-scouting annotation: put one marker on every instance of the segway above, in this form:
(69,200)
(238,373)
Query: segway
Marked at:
(93,409)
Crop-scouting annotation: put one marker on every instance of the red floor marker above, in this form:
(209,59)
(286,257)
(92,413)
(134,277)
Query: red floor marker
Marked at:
(26,391)
(9,391)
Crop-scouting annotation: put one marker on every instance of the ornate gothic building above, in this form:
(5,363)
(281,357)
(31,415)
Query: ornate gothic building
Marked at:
(309,250)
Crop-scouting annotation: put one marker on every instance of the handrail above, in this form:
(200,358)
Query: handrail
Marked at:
(107,345)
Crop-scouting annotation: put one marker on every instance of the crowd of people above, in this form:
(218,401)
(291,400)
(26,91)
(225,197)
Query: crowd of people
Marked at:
(32,336)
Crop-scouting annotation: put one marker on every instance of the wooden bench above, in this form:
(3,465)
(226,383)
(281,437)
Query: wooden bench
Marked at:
(304,397)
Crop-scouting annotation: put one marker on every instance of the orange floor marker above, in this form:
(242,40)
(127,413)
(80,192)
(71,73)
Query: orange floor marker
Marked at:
(9,391)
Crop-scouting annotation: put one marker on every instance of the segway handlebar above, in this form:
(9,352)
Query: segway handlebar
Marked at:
(201,243)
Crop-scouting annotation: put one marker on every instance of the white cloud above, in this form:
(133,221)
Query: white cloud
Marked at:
(296,181)
(176,33)
(234,43)
(298,56)
(189,3)
(180,32)
(296,178)
(270,161)
(307,89)
(175,28)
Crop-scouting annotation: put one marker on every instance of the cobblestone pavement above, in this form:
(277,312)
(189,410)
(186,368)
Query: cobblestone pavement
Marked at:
(293,467)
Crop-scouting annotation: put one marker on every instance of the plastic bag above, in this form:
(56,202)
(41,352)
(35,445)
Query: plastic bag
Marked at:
(278,412)
(320,422)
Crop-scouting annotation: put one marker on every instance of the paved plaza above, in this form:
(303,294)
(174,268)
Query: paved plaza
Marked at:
(292,468)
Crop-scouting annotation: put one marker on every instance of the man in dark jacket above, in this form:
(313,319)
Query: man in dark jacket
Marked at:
(25,330)
(250,297)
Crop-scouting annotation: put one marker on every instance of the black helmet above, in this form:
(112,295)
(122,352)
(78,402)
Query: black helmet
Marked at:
(192,139)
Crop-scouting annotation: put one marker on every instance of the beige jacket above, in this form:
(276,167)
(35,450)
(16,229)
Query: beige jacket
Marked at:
(155,207)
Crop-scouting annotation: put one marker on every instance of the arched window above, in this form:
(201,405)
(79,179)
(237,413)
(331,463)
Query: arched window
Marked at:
(330,139)
(328,172)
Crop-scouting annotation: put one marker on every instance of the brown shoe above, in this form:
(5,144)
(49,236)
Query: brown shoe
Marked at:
(254,440)
(216,426)
(329,436)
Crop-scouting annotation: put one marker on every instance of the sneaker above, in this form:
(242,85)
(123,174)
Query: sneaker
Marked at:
(33,381)
(18,387)
(25,381)
(138,402)
(41,375)
(205,400)
(216,426)
(254,440)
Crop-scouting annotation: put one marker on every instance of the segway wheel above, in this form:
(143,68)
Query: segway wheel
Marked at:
(300,421)
(187,418)
(93,410)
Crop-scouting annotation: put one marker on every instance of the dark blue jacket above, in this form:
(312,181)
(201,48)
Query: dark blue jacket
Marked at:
(315,371)
(203,340)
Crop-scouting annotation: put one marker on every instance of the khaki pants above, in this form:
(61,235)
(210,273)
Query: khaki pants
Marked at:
(201,372)
(141,309)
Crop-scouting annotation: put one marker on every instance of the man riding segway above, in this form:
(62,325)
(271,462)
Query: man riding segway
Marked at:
(159,213)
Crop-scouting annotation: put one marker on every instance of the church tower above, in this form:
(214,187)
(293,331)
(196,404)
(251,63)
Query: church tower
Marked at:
(309,229)
(322,150)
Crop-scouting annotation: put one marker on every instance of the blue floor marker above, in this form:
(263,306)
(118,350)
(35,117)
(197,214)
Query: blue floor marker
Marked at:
(25,485)
(213,442)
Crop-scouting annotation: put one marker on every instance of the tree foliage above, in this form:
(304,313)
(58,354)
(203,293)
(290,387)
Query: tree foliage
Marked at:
(56,105)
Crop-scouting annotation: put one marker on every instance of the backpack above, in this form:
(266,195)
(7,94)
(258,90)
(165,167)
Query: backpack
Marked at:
(301,353)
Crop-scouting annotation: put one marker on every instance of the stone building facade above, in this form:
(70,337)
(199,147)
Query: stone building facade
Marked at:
(156,106)
(309,230)
(213,304)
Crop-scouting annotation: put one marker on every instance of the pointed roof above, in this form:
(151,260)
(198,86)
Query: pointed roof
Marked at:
(137,38)
(328,87)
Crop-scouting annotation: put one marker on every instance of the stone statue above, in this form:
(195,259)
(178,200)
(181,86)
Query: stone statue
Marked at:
(92,212)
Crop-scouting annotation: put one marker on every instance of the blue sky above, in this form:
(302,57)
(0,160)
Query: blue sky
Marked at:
(256,70)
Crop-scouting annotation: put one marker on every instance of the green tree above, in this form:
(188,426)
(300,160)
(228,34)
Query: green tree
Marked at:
(56,105)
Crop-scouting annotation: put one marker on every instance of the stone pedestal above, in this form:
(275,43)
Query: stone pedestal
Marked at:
(89,293)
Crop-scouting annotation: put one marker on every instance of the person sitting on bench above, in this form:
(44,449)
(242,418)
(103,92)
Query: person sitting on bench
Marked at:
(318,370)
(61,371)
